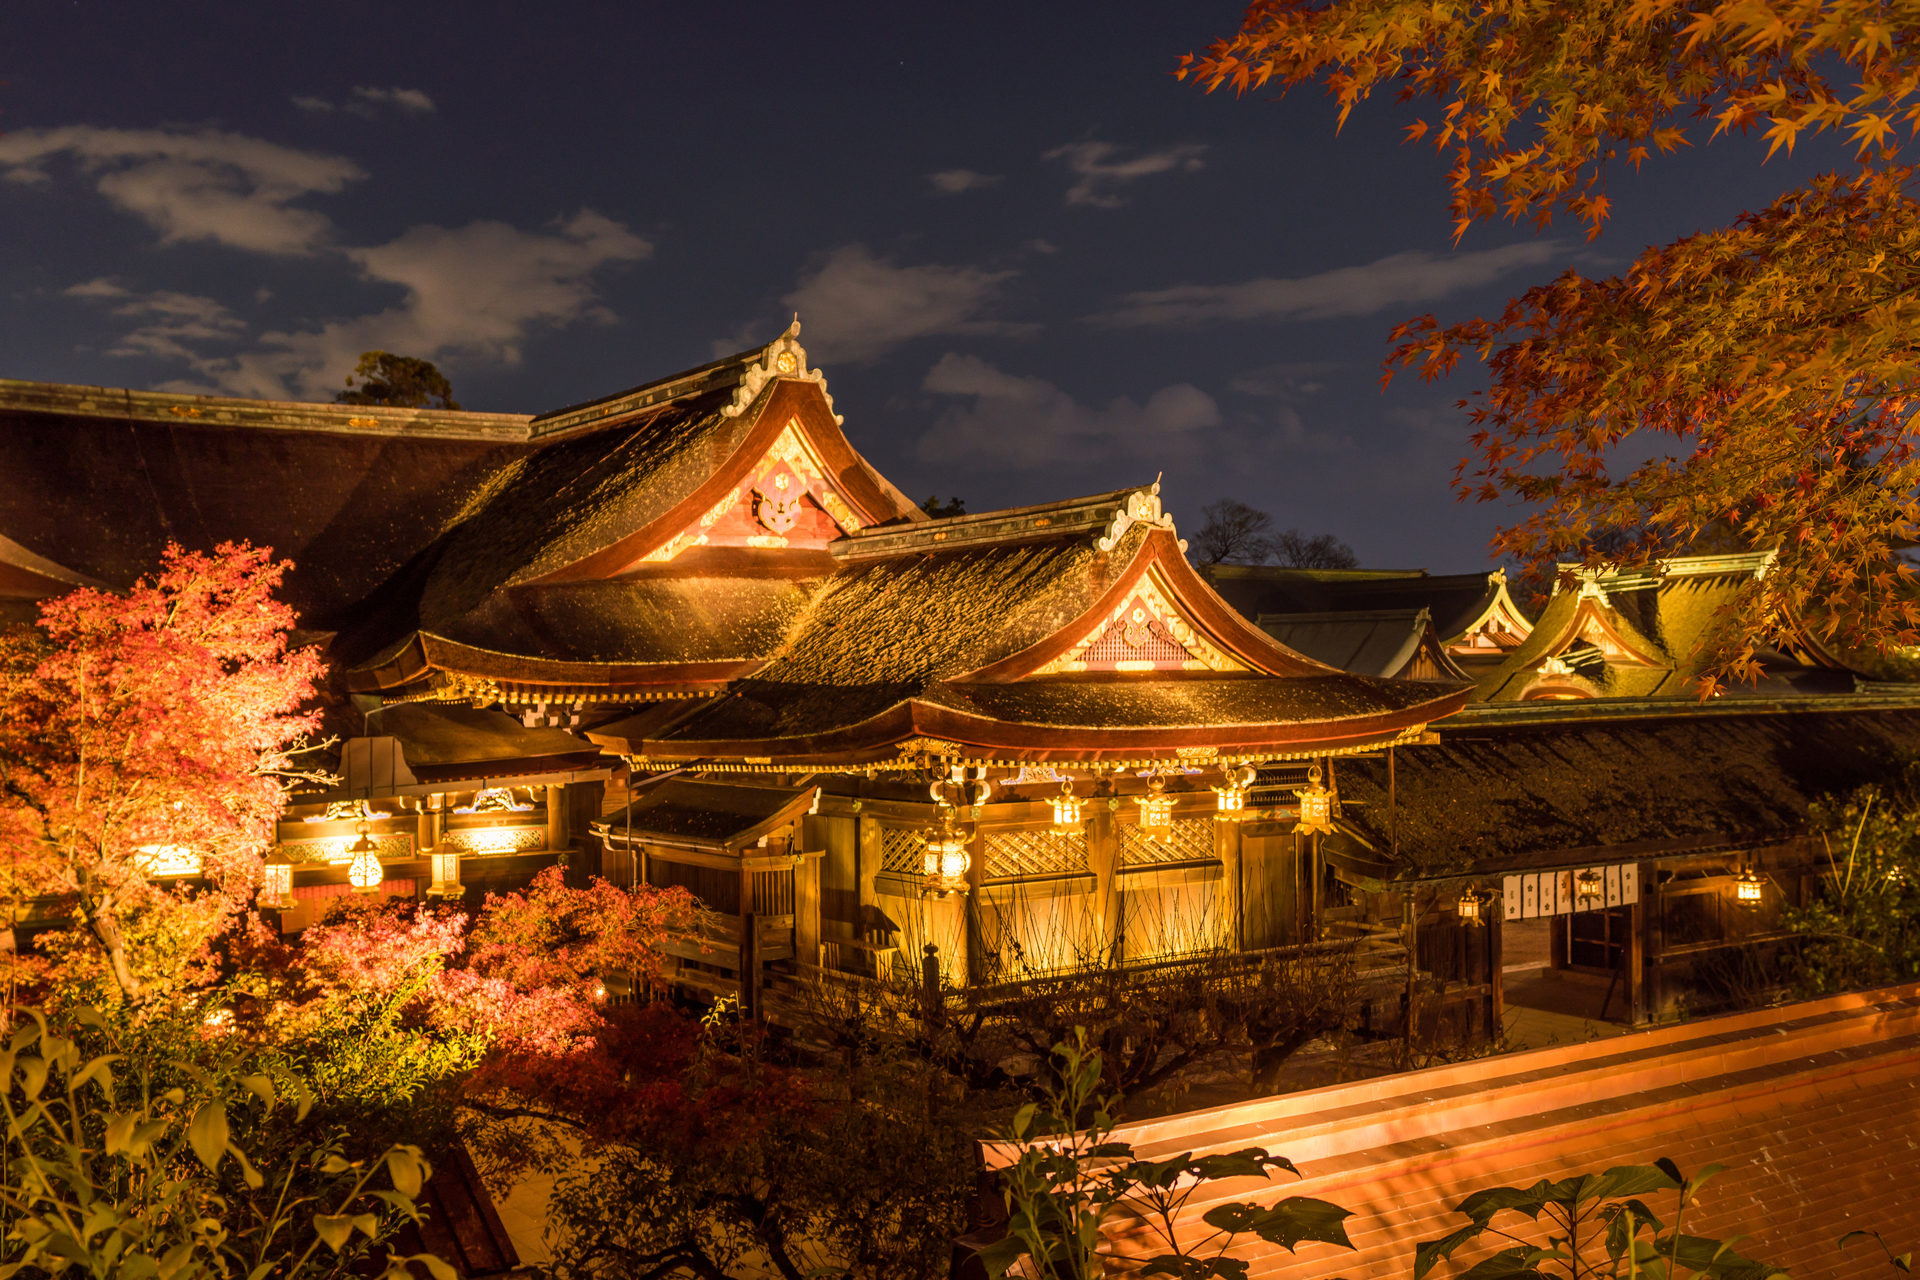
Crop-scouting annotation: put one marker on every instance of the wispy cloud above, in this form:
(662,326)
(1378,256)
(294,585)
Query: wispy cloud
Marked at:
(205,186)
(476,291)
(367,102)
(858,305)
(951,182)
(177,325)
(1398,280)
(1028,421)
(1099,174)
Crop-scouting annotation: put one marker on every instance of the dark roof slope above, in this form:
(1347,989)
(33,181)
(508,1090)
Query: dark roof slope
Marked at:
(712,814)
(1490,793)
(1452,600)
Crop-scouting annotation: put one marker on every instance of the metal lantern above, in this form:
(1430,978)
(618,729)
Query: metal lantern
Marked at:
(1589,887)
(1232,793)
(1468,908)
(276,885)
(1066,809)
(446,874)
(364,872)
(1747,887)
(946,860)
(1156,810)
(1316,806)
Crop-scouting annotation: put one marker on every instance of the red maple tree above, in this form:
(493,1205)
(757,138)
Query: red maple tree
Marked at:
(152,727)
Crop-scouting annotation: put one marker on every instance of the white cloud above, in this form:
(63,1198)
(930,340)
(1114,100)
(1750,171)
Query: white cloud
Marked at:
(1031,422)
(219,187)
(951,182)
(1098,174)
(475,291)
(857,306)
(366,101)
(177,324)
(1398,280)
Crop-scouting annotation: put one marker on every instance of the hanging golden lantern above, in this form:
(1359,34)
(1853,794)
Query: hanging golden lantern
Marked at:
(946,861)
(1156,810)
(1747,887)
(276,885)
(1316,806)
(1066,810)
(446,874)
(1589,888)
(1233,791)
(1468,908)
(364,872)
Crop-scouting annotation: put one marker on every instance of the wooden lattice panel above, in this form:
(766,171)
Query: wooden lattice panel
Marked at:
(1011,854)
(903,851)
(1186,840)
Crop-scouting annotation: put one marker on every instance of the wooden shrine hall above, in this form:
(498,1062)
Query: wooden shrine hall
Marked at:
(686,634)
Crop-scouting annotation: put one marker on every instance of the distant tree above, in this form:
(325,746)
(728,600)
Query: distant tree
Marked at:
(1323,551)
(401,382)
(1234,533)
(942,510)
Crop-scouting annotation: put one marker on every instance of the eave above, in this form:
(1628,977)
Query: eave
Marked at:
(425,656)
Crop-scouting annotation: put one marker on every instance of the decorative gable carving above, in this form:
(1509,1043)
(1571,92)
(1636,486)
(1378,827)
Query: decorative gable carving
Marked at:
(783,358)
(1145,633)
(786,500)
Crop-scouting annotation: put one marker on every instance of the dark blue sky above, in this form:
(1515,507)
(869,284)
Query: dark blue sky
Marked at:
(1031,263)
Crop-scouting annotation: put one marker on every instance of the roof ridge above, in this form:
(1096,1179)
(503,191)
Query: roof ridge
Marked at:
(183,408)
(1113,513)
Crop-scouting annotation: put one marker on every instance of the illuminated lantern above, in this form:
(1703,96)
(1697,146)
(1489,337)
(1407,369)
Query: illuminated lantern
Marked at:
(364,872)
(1156,810)
(1468,908)
(1588,888)
(1232,792)
(1316,806)
(1746,888)
(446,874)
(946,861)
(276,885)
(1066,809)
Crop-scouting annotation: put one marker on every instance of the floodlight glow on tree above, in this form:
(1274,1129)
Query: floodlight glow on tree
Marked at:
(1316,806)
(1067,809)
(946,861)
(364,872)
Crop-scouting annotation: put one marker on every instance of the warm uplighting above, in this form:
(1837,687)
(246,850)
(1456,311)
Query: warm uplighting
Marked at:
(1747,887)
(157,860)
(446,874)
(1156,810)
(492,839)
(1316,806)
(946,861)
(276,885)
(1066,809)
(364,873)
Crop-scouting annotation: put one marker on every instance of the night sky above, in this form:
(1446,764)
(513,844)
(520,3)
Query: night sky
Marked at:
(1031,263)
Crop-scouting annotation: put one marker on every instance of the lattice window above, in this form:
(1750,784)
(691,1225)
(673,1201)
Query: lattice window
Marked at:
(1186,840)
(1034,853)
(903,851)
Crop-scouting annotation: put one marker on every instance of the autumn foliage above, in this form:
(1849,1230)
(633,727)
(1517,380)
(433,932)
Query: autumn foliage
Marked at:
(133,725)
(1752,385)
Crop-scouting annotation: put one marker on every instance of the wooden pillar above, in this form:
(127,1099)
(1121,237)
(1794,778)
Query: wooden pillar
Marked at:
(750,966)
(1638,994)
(1103,860)
(556,818)
(866,844)
(1496,958)
(806,910)
(1226,847)
(972,906)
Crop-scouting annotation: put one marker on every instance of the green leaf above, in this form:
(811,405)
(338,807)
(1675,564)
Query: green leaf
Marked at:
(1291,1222)
(260,1087)
(1023,1119)
(1430,1252)
(1482,1205)
(1001,1255)
(100,1069)
(436,1266)
(248,1174)
(208,1133)
(33,1075)
(1508,1264)
(1631,1180)
(1253,1162)
(368,1224)
(407,1170)
(333,1228)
